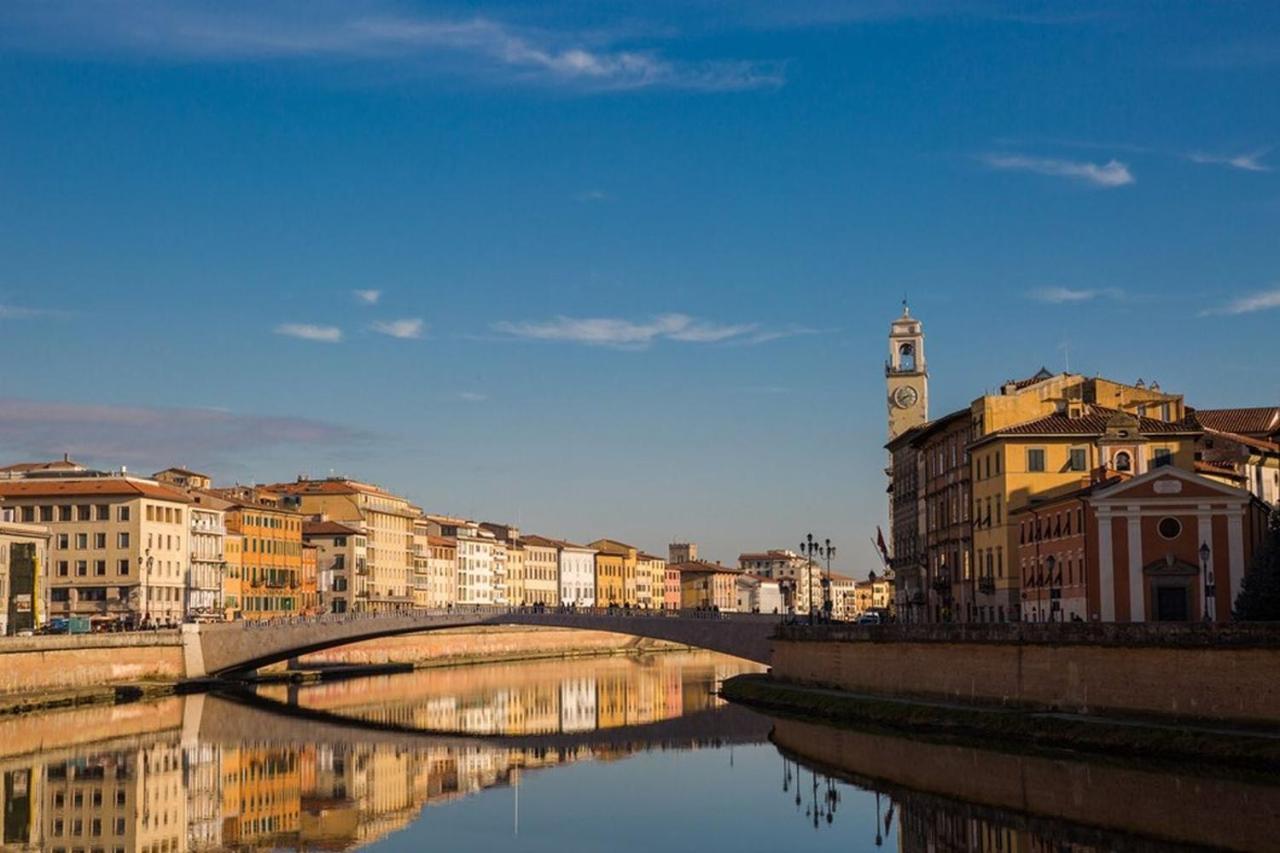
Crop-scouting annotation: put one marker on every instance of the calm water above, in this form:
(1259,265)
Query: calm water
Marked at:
(614,754)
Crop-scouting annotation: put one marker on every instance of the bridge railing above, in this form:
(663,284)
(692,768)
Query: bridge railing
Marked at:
(487,611)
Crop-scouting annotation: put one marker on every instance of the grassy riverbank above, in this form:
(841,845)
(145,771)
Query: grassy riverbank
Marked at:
(1145,738)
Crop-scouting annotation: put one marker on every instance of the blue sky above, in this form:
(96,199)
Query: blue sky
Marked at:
(616,268)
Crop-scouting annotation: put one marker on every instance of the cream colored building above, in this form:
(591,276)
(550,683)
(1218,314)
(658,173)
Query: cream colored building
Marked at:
(651,580)
(385,520)
(120,547)
(442,571)
(208,566)
(342,566)
(475,553)
(541,569)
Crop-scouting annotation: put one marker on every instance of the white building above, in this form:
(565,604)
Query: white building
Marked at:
(208,563)
(577,575)
(475,557)
(799,580)
(578,703)
(758,594)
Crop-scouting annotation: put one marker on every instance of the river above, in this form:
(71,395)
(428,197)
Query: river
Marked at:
(608,753)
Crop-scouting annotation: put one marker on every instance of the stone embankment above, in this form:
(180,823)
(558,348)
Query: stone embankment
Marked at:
(1182,691)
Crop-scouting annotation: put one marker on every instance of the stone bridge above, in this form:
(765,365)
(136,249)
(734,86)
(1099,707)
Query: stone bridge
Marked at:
(222,648)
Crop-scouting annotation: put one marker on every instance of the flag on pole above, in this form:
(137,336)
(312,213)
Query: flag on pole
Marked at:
(881,547)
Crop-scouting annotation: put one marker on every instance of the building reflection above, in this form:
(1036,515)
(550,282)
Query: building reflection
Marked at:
(167,791)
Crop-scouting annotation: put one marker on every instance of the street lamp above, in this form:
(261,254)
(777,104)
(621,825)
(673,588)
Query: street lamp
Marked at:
(811,548)
(1210,589)
(1054,594)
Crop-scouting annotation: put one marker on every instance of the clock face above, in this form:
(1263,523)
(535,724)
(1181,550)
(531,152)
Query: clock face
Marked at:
(905,397)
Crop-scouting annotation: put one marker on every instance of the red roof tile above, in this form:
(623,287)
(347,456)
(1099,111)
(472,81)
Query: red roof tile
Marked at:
(1257,422)
(104,486)
(328,528)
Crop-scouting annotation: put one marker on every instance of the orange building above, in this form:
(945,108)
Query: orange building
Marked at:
(271,572)
(310,597)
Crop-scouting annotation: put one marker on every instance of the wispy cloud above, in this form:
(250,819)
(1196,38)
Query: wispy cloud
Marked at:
(1247,162)
(472,396)
(17,312)
(374,31)
(368,297)
(408,328)
(1066,295)
(1263,300)
(155,436)
(1108,175)
(625,334)
(310,332)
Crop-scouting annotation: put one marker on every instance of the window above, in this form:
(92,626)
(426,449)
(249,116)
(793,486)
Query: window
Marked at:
(1123,462)
(82,541)
(122,513)
(99,540)
(63,541)
(104,512)
(83,512)
(1169,528)
(99,567)
(1076,460)
(64,512)
(907,358)
(63,569)
(1161,456)
(122,540)
(82,568)
(122,567)
(60,594)
(29,514)
(1035,459)
(46,513)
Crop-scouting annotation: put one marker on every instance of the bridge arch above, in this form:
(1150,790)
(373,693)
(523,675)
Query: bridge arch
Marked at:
(225,648)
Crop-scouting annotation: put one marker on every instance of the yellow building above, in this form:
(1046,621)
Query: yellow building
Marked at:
(609,588)
(1050,431)
(385,520)
(271,554)
(233,579)
(708,586)
(651,581)
(624,558)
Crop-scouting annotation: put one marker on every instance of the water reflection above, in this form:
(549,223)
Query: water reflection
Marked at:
(439,759)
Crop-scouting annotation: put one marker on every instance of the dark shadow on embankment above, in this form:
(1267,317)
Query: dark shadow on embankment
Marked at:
(233,715)
(950,793)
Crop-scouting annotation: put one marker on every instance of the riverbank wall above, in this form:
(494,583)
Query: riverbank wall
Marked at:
(42,666)
(1184,672)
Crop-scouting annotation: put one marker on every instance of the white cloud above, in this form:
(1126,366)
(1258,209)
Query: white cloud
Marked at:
(309,332)
(625,334)
(368,297)
(472,396)
(1246,162)
(1263,300)
(373,31)
(409,327)
(16,312)
(1111,174)
(1061,295)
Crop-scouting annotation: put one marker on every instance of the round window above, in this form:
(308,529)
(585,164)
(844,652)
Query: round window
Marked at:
(1169,528)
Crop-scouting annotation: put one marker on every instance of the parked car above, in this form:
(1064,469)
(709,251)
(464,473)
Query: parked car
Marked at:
(56,625)
(869,619)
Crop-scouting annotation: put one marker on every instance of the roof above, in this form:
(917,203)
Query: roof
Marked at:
(1257,421)
(185,471)
(331,486)
(1247,440)
(907,436)
(66,463)
(703,567)
(1040,375)
(540,541)
(328,528)
(649,558)
(612,546)
(1219,469)
(442,541)
(1092,423)
(96,487)
(768,555)
(935,426)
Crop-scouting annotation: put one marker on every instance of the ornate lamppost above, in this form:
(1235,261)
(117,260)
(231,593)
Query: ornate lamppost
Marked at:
(812,548)
(1210,588)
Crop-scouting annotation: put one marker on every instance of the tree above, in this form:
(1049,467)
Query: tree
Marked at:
(1259,599)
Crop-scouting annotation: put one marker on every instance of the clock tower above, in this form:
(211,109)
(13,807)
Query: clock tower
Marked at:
(906,375)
